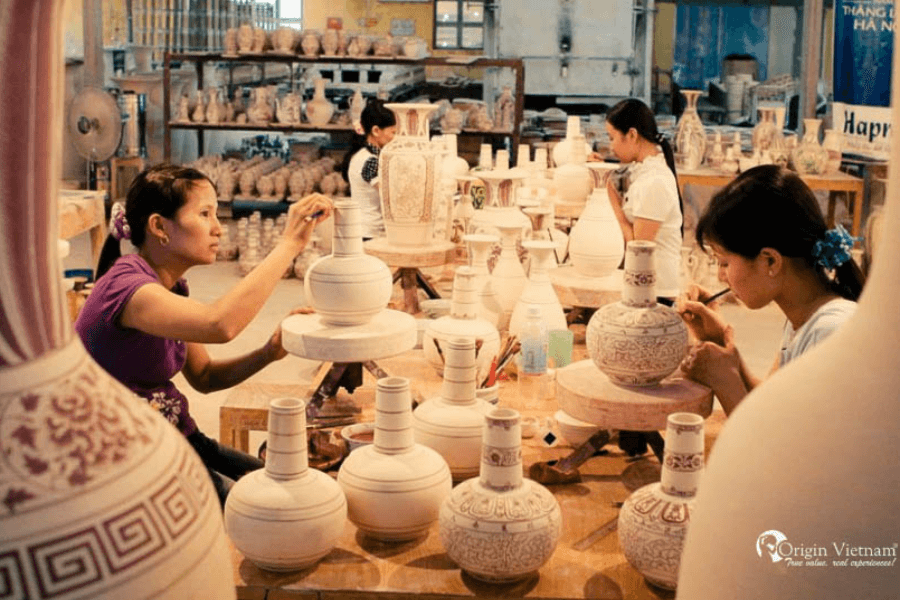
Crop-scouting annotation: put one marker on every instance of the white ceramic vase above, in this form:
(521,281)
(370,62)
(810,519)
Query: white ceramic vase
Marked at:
(809,157)
(637,341)
(573,179)
(348,287)
(462,322)
(394,487)
(509,276)
(410,170)
(562,152)
(832,144)
(654,520)
(480,246)
(319,110)
(500,526)
(451,424)
(285,516)
(690,135)
(538,290)
(596,244)
(501,187)
(455,166)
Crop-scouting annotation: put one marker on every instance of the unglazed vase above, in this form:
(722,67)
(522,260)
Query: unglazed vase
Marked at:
(319,110)
(285,516)
(654,520)
(764,130)
(102,498)
(500,526)
(809,157)
(480,246)
(410,171)
(509,275)
(501,187)
(562,152)
(348,287)
(454,165)
(462,322)
(573,179)
(538,290)
(690,135)
(596,244)
(394,487)
(451,424)
(637,341)
(832,144)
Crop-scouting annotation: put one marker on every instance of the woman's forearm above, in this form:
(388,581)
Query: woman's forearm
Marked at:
(226,373)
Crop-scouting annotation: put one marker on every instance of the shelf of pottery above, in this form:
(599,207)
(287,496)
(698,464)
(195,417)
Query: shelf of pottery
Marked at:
(351,64)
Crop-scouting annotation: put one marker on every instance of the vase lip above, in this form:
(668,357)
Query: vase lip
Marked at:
(502,414)
(504,175)
(287,403)
(393,382)
(640,244)
(685,418)
(460,343)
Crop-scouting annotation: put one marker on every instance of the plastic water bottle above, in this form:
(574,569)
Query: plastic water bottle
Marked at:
(533,379)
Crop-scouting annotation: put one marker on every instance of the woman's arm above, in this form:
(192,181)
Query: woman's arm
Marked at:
(720,368)
(641,229)
(157,311)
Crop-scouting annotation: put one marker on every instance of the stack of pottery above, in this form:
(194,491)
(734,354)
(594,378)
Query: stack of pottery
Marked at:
(690,136)
(319,110)
(637,341)
(500,526)
(394,487)
(809,157)
(462,322)
(285,516)
(480,246)
(538,290)
(410,170)
(452,423)
(596,244)
(349,287)
(654,520)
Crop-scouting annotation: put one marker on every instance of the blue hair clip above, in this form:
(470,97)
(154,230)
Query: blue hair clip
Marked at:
(834,249)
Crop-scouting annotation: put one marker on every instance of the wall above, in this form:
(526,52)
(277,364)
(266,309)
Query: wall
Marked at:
(316,13)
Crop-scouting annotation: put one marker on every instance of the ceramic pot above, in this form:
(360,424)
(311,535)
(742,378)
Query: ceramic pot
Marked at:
(764,130)
(245,38)
(451,424)
(637,341)
(357,104)
(102,497)
(480,246)
(562,152)
(285,516)
(349,287)
(462,322)
(500,527)
(319,110)
(596,245)
(409,167)
(716,153)
(832,144)
(538,290)
(309,43)
(330,42)
(395,486)
(690,135)
(508,274)
(573,179)
(809,157)
(454,165)
(284,39)
(654,520)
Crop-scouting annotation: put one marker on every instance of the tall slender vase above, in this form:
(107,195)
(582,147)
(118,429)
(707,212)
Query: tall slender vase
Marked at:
(102,498)
(500,527)
(596,245)
(538,291)
(637,341)
(690,136)
(764,130)
(509,276)
(654,520)
(832,144)
(285,516)
(410,171)
(451,424)
(809,157)
(462,322)
(395,486)
(348,287)
(480,246)
(319,110)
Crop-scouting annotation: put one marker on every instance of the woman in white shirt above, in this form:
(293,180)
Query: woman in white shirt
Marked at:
(361,171)
(651,209)
(770,238)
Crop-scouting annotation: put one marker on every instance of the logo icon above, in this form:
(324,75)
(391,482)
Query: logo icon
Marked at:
(767,544)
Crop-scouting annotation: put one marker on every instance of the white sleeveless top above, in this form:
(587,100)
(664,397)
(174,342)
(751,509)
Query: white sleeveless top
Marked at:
(366,194)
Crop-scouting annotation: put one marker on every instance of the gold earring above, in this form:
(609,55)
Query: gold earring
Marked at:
(771,273)
(164,240)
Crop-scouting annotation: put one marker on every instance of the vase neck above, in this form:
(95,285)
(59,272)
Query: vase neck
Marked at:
(683,456)
(458,385)
(393,416)
(541,254)
(501,450)
(639,289)
(347,229)
(464,301)
(286,452)
(479,249)
(509,236)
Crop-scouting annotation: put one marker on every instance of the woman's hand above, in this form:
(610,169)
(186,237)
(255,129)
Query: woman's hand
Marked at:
(273,348)
(702,321)
(301,220)
(719,368)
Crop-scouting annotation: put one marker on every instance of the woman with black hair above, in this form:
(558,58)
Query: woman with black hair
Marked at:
(772,244)
(651,209)
(360,167)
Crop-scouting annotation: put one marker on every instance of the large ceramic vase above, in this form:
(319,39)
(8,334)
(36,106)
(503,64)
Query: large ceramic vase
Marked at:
(573,179)
(394,487)
(690,135)
(637,341)
(462,322)
(538,290)
(596,245)
(285,516)
(348,287)
(654,520)
(451,423)
(480,245)
(319,110)
(500,526)
(410,171)
(509,276)
(102,498)
(809,157)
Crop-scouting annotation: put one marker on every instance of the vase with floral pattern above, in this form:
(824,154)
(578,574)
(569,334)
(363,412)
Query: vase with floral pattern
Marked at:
(809,157)
(690,135)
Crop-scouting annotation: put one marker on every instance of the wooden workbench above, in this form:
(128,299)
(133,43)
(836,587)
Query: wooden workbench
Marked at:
(83,211)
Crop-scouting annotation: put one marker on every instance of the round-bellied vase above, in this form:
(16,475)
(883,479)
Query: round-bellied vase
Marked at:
(596,245)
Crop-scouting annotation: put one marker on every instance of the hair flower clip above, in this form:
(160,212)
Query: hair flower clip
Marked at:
(834,249)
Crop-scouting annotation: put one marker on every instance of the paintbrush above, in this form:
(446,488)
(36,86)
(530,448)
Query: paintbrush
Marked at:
(716,296)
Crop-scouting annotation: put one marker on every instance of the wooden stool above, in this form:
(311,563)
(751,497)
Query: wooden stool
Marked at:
(408,260)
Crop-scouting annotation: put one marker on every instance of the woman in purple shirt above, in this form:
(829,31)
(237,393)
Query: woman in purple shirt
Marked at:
(139,323)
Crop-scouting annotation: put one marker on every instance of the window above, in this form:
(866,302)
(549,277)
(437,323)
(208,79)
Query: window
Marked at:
(459,24)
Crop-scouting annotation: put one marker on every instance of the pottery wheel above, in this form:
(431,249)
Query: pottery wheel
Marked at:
(433,255)
(574,289)
(583,391)
(389,333)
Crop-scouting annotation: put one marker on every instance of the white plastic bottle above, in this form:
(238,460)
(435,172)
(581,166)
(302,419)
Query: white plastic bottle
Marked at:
(533,379)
